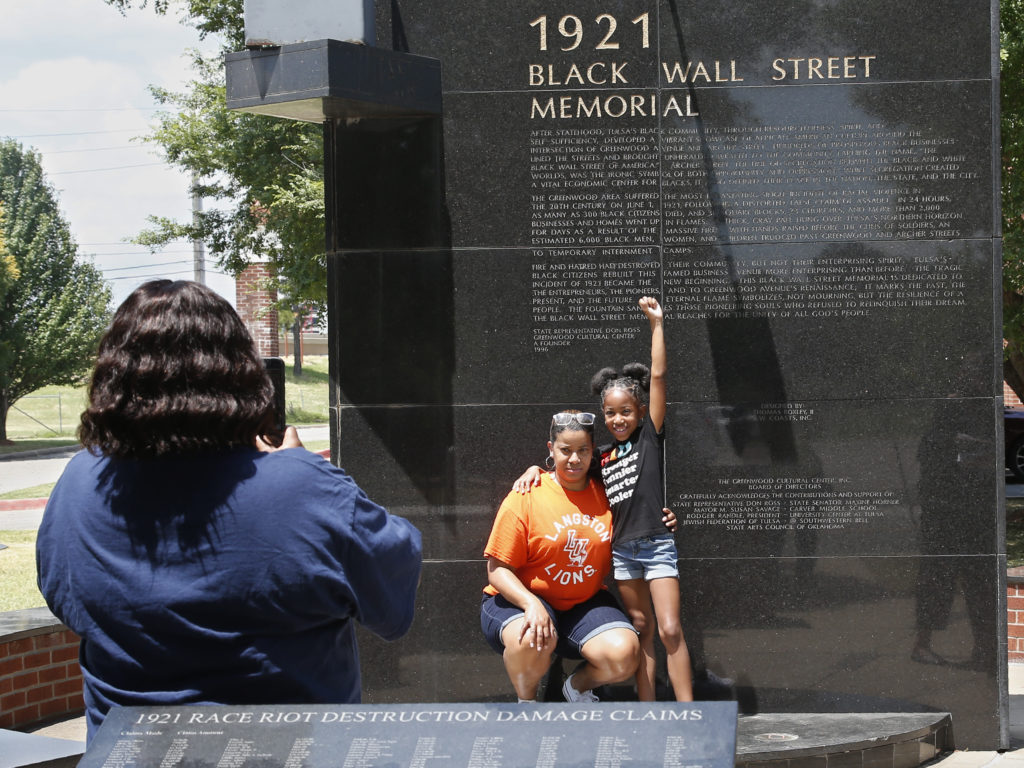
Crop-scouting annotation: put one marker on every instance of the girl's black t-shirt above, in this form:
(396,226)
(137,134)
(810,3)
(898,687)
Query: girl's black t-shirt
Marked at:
(634,483)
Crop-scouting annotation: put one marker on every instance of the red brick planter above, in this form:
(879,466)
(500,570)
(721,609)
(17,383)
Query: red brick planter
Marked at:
(40,679)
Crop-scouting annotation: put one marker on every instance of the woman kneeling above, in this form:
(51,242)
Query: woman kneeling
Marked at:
(547,558)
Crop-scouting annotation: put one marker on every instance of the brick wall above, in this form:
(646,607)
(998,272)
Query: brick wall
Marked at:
(1010,397)
(40,679)
(254,302)
(1015,615)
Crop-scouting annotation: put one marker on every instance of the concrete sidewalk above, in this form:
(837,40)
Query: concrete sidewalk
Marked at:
(1014,756)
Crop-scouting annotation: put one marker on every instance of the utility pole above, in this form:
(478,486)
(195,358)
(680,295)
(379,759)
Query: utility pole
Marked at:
(198,250)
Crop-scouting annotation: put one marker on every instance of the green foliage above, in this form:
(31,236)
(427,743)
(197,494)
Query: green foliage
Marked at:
(1011,56)
(263,175)
(54,306)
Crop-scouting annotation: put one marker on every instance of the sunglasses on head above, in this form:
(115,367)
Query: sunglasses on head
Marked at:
(564,418)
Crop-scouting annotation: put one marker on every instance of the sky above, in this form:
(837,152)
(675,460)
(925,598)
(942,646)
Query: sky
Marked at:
(74,79)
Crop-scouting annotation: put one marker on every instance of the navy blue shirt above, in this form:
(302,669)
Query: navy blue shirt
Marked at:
(231,578)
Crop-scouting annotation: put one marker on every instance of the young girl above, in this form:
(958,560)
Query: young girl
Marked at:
(643,555)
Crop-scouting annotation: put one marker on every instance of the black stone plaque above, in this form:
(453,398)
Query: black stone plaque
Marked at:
(810,188)
(419,735)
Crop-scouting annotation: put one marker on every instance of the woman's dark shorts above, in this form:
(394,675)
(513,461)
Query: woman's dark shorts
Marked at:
(575,626)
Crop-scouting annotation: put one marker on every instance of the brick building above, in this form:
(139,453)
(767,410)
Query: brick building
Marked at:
(254,299)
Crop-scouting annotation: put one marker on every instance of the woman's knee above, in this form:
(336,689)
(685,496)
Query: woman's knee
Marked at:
(617,651)
(528,663)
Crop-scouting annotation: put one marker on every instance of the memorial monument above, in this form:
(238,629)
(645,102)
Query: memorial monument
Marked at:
(811,189)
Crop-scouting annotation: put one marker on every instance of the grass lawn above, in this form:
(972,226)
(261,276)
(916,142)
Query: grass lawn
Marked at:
(18,571)
(33,492)
(50,412)
(49,416)
(306,397)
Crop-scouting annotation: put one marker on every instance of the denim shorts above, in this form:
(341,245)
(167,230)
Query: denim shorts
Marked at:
(648,558)
(574,626)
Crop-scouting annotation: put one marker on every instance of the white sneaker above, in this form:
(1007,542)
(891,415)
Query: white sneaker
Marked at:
(573,696)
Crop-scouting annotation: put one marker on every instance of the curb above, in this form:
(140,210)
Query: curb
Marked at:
(22,505)
(38,453)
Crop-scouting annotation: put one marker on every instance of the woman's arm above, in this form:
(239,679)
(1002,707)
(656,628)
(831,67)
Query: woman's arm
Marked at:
(537,620)
(655,315)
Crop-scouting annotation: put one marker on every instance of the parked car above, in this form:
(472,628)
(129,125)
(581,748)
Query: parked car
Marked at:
(1013,427)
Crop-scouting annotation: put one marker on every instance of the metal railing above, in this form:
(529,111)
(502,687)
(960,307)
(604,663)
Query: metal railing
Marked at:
(40,416)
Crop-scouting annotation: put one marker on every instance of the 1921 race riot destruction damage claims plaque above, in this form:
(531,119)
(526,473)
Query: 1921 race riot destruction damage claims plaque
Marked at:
(810,189)
(418,736)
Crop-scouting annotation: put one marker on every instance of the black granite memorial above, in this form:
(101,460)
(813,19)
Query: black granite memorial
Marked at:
(810,187)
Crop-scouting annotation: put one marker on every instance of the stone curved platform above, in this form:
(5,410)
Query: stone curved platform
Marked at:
(887,740)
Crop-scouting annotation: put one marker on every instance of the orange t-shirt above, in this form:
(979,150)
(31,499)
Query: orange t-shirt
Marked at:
(558,542)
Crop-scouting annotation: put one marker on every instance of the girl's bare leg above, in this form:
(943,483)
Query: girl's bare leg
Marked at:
(665,595)
(636,598)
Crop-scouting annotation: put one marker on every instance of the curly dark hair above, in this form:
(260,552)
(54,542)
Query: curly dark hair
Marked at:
(177,373)
(635,378)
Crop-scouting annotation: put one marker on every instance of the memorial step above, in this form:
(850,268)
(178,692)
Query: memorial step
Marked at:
(887,740)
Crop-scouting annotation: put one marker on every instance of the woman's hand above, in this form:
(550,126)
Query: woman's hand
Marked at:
(538,629)
(669,519)
(290,440)
(529,480)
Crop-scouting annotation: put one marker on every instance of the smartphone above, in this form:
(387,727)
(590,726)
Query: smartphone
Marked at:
(275,369)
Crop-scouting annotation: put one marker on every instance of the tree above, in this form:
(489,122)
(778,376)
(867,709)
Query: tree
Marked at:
(293,318)
(1011,53)
(53,305)
(265,175)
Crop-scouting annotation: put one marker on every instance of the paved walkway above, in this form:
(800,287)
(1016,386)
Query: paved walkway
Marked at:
(17,472)
(1014,757)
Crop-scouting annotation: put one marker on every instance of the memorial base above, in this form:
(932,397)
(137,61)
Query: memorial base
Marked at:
(886,740)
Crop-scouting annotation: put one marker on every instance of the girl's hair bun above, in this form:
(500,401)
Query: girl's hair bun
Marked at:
(640,372)
(601,380)
(635,378)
